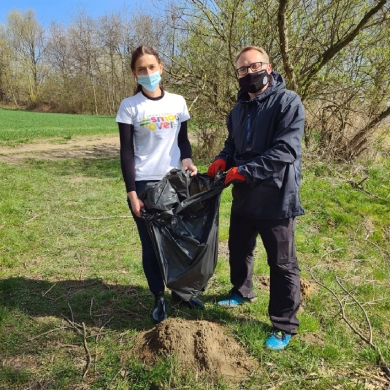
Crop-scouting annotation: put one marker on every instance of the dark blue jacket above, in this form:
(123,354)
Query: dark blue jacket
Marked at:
(264,141)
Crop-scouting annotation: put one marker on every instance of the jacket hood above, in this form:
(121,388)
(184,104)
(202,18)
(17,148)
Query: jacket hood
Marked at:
(276,84)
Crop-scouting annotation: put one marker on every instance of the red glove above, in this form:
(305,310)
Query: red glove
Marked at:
(215,166)
(233,175)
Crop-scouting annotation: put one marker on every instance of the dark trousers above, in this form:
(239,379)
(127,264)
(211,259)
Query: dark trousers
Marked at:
(278,238)
(149,258)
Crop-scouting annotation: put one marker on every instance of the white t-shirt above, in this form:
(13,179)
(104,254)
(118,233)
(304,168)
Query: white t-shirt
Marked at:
(156,128)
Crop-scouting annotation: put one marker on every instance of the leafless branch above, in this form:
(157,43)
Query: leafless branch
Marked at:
(71,312)
(45,333)
(43,294)
(88,364)
(112,217)
(368,340)
(325,57)
(380,248)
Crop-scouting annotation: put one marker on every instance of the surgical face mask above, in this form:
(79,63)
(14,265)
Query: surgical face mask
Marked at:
(150,81)
(254,82)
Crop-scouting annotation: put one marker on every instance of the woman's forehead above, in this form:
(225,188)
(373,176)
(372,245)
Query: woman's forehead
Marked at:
(146,59)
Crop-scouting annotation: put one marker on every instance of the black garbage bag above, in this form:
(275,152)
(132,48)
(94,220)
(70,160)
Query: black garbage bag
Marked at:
(181,213)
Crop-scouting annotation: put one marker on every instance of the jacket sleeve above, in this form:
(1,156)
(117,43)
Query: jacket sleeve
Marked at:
(286,144)
(229,148)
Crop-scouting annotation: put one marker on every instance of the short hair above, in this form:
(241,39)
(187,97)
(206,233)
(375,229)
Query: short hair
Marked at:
(257,48)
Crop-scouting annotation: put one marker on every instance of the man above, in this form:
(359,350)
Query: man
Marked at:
(263,155)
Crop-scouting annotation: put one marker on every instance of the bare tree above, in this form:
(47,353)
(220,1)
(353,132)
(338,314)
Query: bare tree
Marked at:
(330,57)
(5,67)
(328,52)
(85,53)
(333,53)
(27,39)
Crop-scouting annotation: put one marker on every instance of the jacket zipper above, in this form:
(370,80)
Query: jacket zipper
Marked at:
(248,128)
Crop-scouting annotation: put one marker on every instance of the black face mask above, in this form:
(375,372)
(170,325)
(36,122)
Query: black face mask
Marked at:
(254,82)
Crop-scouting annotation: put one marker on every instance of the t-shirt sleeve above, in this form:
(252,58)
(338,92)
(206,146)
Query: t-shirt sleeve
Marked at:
(124,113)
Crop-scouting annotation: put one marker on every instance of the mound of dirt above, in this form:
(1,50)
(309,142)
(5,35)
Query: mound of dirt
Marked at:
(307,288)
(201,346)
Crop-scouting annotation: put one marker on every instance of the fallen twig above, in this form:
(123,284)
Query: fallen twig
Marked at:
(368,374)
(87,352)
(102,327)
(112,380)
(45,333)
(379,247)
(71,312)
(74,325)
(90,309)
(31,219)
(111,217)
(43,294)
(360,187)
(362,181)
(369,341)
(308,378)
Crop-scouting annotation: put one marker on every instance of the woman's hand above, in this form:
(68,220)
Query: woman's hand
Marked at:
(136,204)
(188,164)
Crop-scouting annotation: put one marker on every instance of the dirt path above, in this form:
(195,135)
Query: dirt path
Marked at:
(79,147)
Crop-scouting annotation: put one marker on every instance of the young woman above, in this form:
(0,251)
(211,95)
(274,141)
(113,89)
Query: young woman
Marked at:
(154,140)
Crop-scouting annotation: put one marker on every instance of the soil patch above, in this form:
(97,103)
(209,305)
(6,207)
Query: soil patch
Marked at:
(201,346)
(78,147)
(312,339)
(223,249)
(262,283)
(307,288)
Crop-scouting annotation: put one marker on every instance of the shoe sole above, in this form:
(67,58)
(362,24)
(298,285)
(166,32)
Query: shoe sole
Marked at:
(276,349)
(250,300)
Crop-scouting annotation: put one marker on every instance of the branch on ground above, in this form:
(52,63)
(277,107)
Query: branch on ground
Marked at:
(367,339)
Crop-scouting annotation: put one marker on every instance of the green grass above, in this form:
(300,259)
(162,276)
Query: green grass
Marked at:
(70,254)
(18,127)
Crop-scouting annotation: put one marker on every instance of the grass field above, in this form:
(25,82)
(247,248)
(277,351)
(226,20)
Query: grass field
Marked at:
(71,272)
(18,127)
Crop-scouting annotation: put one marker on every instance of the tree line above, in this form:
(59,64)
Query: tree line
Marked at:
(333,53)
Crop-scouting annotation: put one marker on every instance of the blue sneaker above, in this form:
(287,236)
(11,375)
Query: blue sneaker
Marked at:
(278,340)
(234,300)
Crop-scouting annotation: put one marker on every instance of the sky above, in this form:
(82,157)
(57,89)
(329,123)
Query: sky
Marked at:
(63,10)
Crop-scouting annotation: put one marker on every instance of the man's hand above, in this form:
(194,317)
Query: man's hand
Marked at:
(234,176)
(219,164)
(136,204)
(188,164)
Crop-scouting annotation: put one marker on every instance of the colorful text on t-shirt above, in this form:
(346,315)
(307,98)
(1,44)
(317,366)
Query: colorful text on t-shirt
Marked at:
(160,122)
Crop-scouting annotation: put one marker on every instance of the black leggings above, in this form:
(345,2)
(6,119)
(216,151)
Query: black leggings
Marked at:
(149,259)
